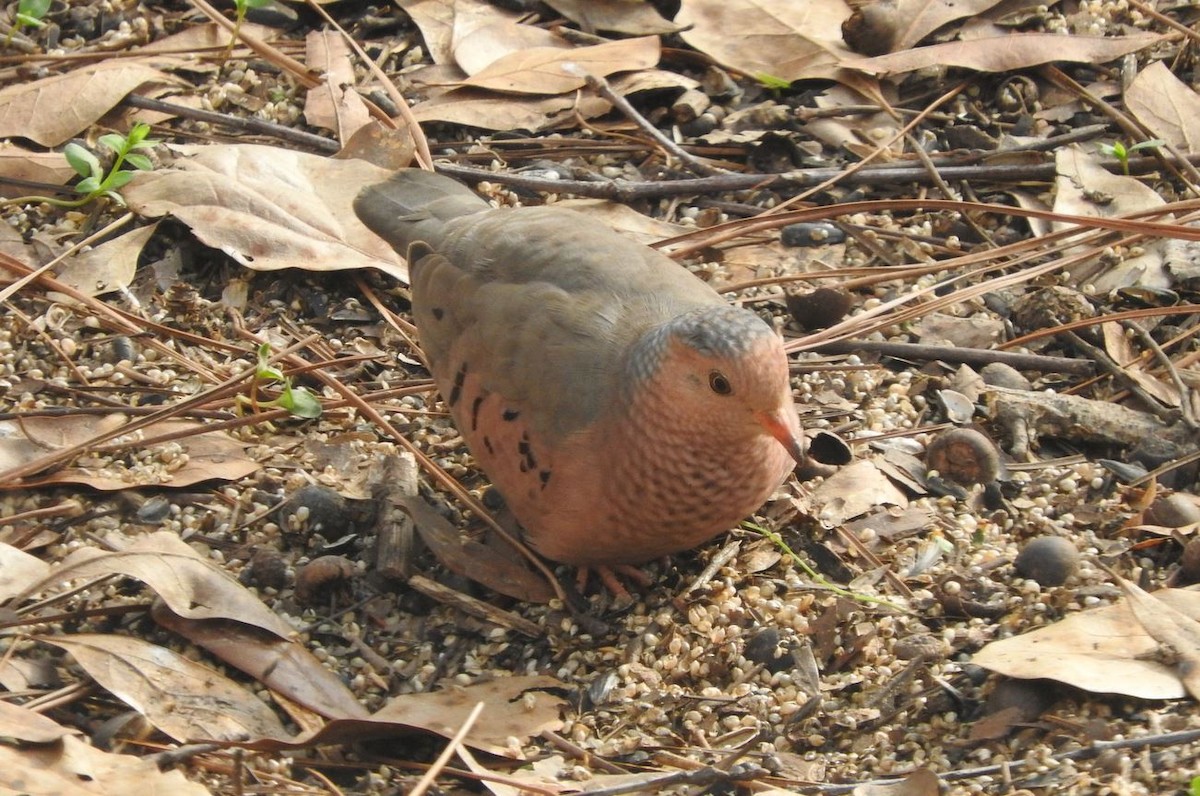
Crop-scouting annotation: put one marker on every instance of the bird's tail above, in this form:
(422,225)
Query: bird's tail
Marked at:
(413,205)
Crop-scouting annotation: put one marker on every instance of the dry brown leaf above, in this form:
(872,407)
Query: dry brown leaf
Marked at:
(631,17)
(839,131)
(211,455)
(975,331)
(746,261)
(31,535)
(489,110)
(1007,53)
(208,36)
(1169,531)
(759,557)
(1182,259)
(1033,201)
(443,22)
(994,726)
(283,665)
(436,79)
(1168,107)
(25,725)
(1177,633)
(1121,349)
(52,110)
(896,523)
(482,46)
(269,208)
(190,584)
(108,267)
(1084,187)
(921,782)
(554,70)
(916,19)
(479,108)
(553,775)
(791,41)
(1104,650)
(515,707)
(34,437)
(183,699)
(386,147)
(18,570)
(333,105)
(24,164)
(26,674)
(650,80)
(850,492)
(506,574)
(72,767)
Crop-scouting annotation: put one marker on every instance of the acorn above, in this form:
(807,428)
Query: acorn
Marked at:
(965,456)
(1049,560)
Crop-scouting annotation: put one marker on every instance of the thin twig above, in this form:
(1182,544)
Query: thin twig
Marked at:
(706,776)
(420,142)
(1185,393)
(603,89)
(1114,369)
(237,123)
(942,186)
(432,773)
(882,148)
(1153,13)
(172,757)
(723,557)
(475,607)
(286,63)
(629,191)
(960,355)
(1132,127)
(1165,468)
(588,757)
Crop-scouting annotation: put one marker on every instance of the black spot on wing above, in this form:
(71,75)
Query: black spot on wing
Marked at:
(438,312)
(544,477)
(487,444)
(528,460)
(456,390)
(478,402)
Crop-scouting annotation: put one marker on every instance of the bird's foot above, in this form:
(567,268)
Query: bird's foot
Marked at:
(608,578)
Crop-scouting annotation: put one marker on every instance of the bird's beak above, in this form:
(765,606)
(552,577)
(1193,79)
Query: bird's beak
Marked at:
(788,433)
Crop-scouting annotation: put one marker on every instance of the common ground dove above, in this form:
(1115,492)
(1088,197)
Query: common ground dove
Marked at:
(624,410)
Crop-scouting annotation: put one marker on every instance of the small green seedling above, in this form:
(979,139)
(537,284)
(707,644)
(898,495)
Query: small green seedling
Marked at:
(240,7)
(298,401)
(772,82)
(1119,151)
(29,15)
(98,183)
(1194,788)
(777,540)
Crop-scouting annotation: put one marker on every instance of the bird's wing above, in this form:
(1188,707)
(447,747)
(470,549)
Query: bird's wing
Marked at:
(549,355)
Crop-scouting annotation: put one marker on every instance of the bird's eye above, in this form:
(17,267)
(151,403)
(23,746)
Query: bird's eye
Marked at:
(719,384)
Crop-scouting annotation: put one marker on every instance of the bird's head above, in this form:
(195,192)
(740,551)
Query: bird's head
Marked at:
(723,367)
